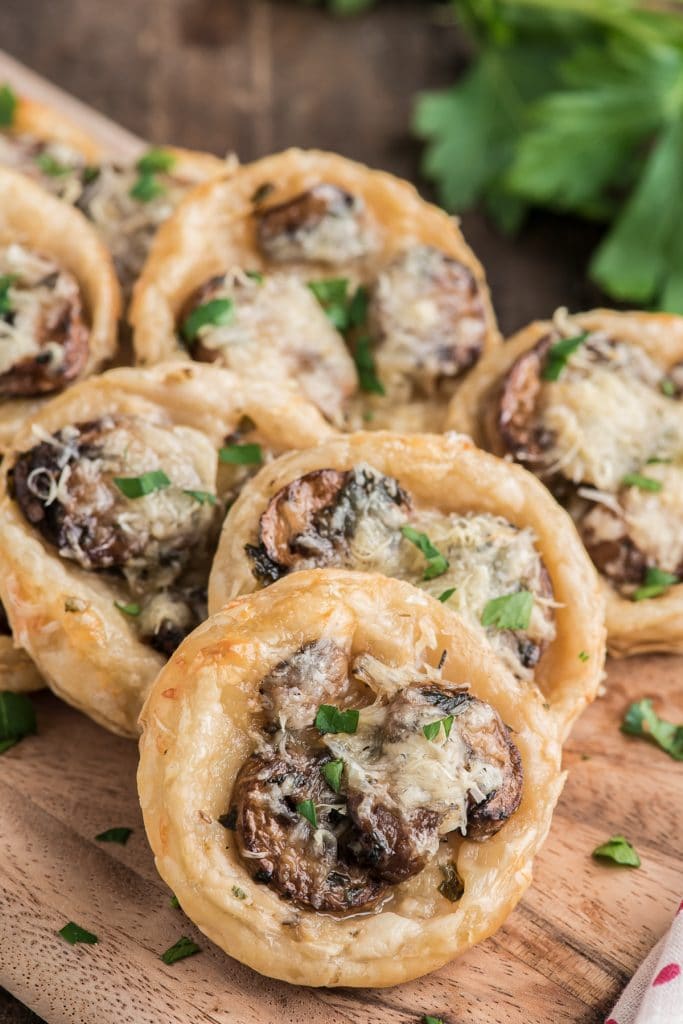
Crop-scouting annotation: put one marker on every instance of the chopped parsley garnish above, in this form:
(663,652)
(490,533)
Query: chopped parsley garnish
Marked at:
(667,387)
(583,656)
(657,582)
(645,483)
(658,460)
(433,729)
(365,365)
(332,773)
(241,454)
(6,282)
(115,835)
(306,809)
(619,850)
(8,105)
(131,608)
(156,160)
(255,275)
(203,497)
(452,887)
(90,174)
(332,294)
(238,893)
(447,594)
(179,950)
(559,354)
(437,564)
(175,902)
(73,933)
(147,187)
(642,720)
(331,719)
(427,1019)
(17,719)
(215,313)
(48,165)
(146,483)
(511,611)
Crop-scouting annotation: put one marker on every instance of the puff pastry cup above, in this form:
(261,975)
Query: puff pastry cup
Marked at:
(601,422)
(499,543)
(304,262)
(125,200)
(109,511)
(59,299)
(266,826)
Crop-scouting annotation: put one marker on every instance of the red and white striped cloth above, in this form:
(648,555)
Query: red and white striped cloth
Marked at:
(655,993)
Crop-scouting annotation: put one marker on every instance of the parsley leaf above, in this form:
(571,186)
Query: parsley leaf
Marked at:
(131,608)
(215,313)
(6,282)
(306,809)
(583,656)
(174,901)
(146,483)
(8,105)
(48,165)
(437,564)
(365,365)
(619,850)
(511,611)
(73,933)
(559,355)
(331,719)
(17,719)
(642,720)
(427,1019)
(147,187)
(645,483)
(179,950)
(115,835)
(238,893)
(203,497)
(331,293)
(241,454)
(432,729)
(156,159)
(446,595)
(657,582)
(332,773)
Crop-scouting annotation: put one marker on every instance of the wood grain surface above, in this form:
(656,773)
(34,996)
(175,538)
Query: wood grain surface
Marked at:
(254,76)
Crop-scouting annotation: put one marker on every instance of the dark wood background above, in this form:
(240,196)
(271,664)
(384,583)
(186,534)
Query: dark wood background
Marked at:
(255,76)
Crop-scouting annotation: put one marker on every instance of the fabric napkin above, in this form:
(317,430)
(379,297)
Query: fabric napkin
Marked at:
(655,993)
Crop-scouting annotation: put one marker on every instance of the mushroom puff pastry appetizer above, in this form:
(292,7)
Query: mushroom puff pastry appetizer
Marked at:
(593,404)
(339,782)
(125,201)
(307,266)
(59,299)
(479,534)
(109,515)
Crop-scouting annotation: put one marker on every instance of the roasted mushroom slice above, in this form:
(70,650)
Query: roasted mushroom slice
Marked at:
(169,615)
(43,333)
(292,835)
(325,224)
(329,517)
(431,761)
(274,327)
(99,492)
(293,691)
(428,320)
(523,437)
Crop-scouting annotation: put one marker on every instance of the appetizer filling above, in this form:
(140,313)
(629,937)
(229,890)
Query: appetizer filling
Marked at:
(54,165)
(603,424)
(328,294)
(133,498)
(484,567)
(339,803)
(272,326)
(43,333)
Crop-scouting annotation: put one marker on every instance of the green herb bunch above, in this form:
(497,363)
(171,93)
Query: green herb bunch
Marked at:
(575,105)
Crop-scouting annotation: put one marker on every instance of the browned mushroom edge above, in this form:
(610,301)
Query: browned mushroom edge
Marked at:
(158,546)
(339,842)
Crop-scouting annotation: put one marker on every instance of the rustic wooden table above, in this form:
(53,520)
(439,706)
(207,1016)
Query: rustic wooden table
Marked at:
(255,76)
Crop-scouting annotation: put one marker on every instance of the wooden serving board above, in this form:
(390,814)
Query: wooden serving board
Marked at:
(563,955)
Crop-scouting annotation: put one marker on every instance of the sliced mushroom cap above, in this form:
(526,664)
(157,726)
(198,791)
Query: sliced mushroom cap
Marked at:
(293,691)
(312,521)
(66,487)
(169,616)
(43,334)
(427,316)
(522,435)
(280,846)
(325,224)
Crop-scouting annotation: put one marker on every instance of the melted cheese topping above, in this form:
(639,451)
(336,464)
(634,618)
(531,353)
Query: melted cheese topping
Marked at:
(24,153)
(38,286)
(655,520)
(280,332)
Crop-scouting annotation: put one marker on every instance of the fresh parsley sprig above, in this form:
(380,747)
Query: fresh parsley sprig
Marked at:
(641,719)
